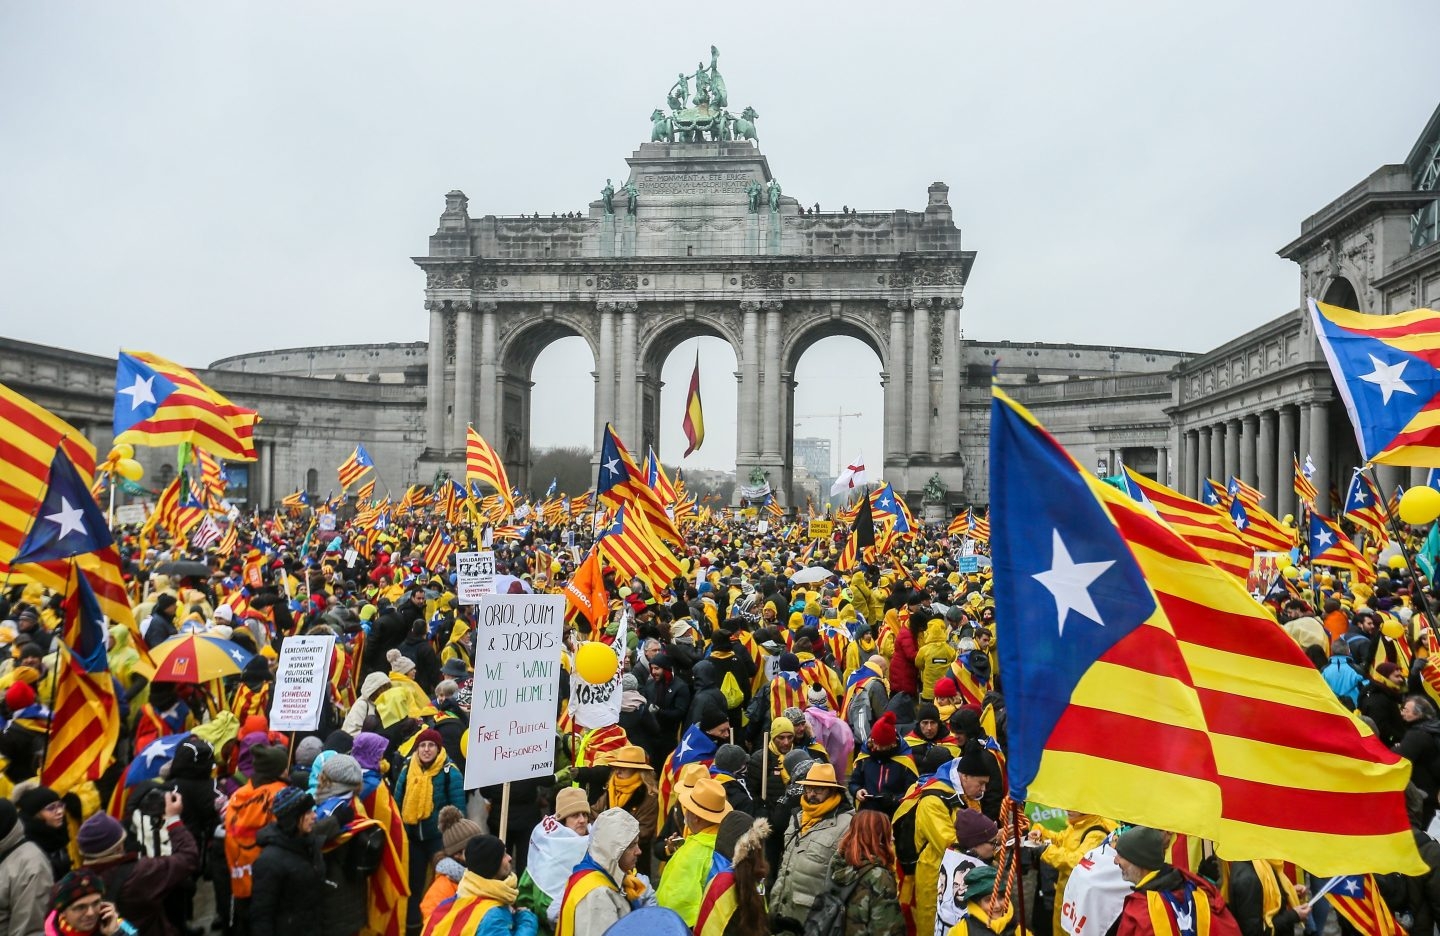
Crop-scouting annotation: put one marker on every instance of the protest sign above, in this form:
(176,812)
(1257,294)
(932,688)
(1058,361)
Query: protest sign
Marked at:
(474,576)
(302,678)
(127,514)
(513,702)
(327,522)
(969,564)
(598,705)
(821,529)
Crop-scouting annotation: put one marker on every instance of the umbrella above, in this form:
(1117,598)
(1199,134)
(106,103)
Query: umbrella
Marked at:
(504,581)
(182,568)
(650,921)
(195,658)
(811,574)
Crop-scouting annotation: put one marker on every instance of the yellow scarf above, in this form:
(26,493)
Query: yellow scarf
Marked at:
(995,924)
(473,885)
(812,813)
(620,791)
(1272,880)
(418,800)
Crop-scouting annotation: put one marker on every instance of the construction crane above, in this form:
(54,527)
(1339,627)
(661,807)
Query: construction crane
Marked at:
(839,416)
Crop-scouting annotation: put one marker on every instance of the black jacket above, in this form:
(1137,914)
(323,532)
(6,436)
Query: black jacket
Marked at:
(387,632)
(289,876)
(1421,744)
(1247,901)
(427,663)
(673,700)
(707,692)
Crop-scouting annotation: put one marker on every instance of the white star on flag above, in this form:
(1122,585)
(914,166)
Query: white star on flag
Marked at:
(237,655)
(1324,537)
(1352,887)
(612,466)
(142,391)
(69,519)
(1388,378)
(1069,583)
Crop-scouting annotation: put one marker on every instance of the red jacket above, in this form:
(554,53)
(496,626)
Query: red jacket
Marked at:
(904,677)
(1135,915)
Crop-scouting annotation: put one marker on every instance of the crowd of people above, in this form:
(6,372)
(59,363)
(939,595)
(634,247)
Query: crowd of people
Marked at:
(819,758)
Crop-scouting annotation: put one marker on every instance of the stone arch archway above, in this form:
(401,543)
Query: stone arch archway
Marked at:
(1340,291)
(661,336)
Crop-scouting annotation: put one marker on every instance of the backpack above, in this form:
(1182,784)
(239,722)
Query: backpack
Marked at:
(730,688)
(827,914)
(247,813)
(907,855)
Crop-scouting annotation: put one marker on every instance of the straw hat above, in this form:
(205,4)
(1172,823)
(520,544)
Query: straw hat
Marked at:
(707,800)
(632,756)
(822,775)
(690,775)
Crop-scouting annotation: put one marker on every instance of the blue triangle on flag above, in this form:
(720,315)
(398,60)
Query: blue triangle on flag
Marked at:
(139,391)
(68,523)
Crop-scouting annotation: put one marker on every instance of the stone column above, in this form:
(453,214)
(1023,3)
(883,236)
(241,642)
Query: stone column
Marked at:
(1202,461)
(626,415)
(1217,452)
(895,371)
(605,373)
(920,380)
(1320,451)
(1284,464)
(260,492)
(747,435)
(488,418)
(435,379)
(949,441)
(1249,427)
(772,412)
(1162,465)
(1265,476)
(1231,466)
(464,370)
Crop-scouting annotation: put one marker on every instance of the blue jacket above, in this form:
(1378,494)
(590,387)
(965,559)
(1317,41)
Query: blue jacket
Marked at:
(449,790)
(505,921)
(1344,680)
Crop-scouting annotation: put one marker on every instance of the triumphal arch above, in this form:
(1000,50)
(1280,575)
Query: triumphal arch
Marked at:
(700,238)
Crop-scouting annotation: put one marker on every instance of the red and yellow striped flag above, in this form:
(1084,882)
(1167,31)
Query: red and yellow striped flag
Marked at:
(86,717)
(1304,488)
(694,424)
(390,885)
(482,463)
(366,493)
(960,526)
(1210,531)
(1357,898)
(172,514)
(160,403)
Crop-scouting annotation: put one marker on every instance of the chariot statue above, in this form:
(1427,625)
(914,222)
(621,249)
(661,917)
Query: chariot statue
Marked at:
(695,118)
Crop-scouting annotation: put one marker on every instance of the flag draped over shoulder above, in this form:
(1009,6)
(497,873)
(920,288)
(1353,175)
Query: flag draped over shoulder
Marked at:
(694,425)
(158,402)
(1387,371)
(1144,684)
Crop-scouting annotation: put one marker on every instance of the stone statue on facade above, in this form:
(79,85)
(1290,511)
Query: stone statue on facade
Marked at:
(632,197)
(743,127)
(774,191)
(693,118)
(659,127)
(607,195)
(754,191)
(680,93)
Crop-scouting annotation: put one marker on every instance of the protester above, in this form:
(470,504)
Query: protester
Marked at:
(289,886)
(456,832)
(1064,850)
(682,884)
(427,783)
(1162,890)
(864,859)
(139,886)
(557,844)
(25,877)
(631,787)
(79,908)
(809,844)
(486,893)
(604,886)
(42,813)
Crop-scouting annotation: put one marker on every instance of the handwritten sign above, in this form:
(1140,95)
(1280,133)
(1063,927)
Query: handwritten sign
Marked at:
(474,576)
(517,681)
(127,514)
(821,529)
(969,564)
(302,679)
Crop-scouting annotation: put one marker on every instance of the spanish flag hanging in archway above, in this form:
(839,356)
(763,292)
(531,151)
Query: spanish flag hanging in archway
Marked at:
(694,416)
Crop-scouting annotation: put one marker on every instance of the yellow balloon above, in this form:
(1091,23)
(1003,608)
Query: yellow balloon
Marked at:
(596,663)
(121,450)
(1290,572)
(1420,505)
(1396,562)
(1283,561)
(130,469)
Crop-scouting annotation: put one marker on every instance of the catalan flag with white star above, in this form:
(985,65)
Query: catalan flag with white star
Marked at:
(355,467)
(1387,372)
(1119,629)
(1364,508)
(158,403)
(1329,546)
(1357,898)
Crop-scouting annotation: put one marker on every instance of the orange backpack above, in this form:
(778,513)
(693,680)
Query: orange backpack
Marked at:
(247,813)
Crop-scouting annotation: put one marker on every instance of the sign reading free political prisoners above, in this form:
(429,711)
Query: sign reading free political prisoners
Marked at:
(513,703)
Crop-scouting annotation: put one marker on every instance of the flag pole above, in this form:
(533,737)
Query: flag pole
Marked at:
(1404,550)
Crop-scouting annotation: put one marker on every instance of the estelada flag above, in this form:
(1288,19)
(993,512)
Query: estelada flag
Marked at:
(694,415)
(160,403)
(1146,685)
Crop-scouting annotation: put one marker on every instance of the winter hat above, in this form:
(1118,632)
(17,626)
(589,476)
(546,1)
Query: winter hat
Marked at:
(882,733)
(569,802)
(288,806)
(98,834)
(35,799)
(629,683)
(797,717)
(455,668)
(731,759)
(369,749)
(966,721)
(399,662)
(267,763)
(789,663)
(972,764)
(1384,671)
(456,830)
(927,712)
(711,717)
(781,725)
(797,764)
(164,602)
(339,740)
(945,688)
(979,882)
(732,828)
(8,817)
(1143,847)
(484,855)
(973,828)
(342,769)
(20,695)
(817,698)
(463,696)
(431,735)
(935,758)
(307,750)
(256,668)
(75,887)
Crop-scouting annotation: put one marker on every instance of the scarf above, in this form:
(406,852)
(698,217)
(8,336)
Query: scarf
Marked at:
(1169,916)
(1272,880)
(473,885)
(778,758)
(812,813)
(418,800)
(620,791)
(996,924)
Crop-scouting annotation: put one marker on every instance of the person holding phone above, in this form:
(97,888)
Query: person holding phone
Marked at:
(79,907)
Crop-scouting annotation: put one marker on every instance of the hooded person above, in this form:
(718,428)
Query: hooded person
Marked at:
(638,722)
(485,896)
(369,752)
(25,876)
(402,677)
(557,843)
(734,901)
(42,813)
(290,870)
(456,832)
(138,885)
(365,708)
(246,814)
(604,885)
(828,729)
(252,695)
(787,687)
(307,749)
(1165,893)
(683,884)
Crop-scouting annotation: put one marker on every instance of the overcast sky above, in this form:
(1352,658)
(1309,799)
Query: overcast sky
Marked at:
(208,179)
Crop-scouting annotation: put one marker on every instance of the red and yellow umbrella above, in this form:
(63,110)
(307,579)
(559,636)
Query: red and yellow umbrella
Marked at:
(196,658)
